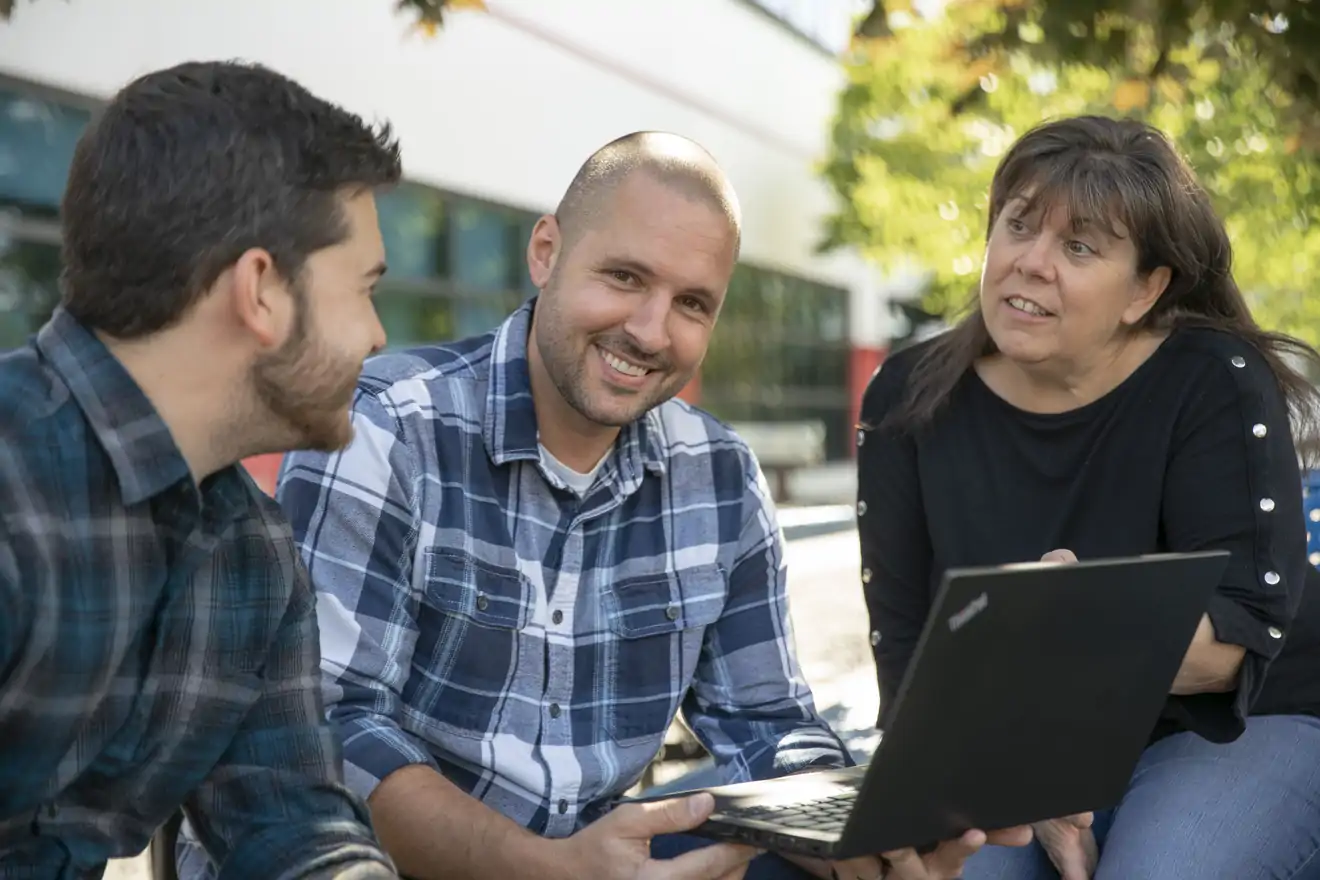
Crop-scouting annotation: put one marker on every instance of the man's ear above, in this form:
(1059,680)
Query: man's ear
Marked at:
(260,298)
(543,249)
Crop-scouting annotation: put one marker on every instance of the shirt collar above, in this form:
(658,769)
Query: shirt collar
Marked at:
(510,430)
(141,449)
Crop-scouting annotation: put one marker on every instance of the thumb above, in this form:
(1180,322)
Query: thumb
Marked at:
(1061,555)
(670,816)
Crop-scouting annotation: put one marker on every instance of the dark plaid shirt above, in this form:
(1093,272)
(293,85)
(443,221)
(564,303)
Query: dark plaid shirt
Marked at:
(157,642)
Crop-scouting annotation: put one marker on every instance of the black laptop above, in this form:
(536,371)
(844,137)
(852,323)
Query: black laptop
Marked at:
(1031,695)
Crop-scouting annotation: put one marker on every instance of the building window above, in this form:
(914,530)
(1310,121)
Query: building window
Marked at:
(456,265)
(780,353)
(37,139)
(457,268)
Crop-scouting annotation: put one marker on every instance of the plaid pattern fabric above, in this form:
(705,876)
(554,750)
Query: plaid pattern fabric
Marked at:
(530,644)
(157,642)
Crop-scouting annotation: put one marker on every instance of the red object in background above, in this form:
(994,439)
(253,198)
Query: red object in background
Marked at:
(264,469)
(691,392)
(862,364)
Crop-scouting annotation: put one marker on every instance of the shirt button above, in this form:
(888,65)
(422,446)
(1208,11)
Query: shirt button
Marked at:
(1272,578)
(866,575)
(1267,504)
(1275,632)
(554,710)
(861,508)
(563,806)
(482,602)
(1259,430)
(875,637)
(557,617)
(672,612)
(1239,362)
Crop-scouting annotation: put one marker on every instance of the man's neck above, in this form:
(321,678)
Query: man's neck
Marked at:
(572,438)
(192,397)
(580,447)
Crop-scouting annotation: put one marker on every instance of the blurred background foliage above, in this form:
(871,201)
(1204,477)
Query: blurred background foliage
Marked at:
(936,92)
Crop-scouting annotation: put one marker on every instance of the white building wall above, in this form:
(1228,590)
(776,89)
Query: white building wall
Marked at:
(505,104)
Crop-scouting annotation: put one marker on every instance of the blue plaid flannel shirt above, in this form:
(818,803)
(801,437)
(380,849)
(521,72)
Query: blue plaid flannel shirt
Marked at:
(531,645)
(157,643)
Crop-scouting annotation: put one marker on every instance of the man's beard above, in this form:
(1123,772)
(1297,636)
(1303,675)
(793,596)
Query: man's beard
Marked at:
(567,369)
(307,390)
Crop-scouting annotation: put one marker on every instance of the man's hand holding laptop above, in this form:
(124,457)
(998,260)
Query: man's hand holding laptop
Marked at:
(945,862)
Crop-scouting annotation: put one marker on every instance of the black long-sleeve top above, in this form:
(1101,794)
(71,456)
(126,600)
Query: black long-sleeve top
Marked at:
(1193,451)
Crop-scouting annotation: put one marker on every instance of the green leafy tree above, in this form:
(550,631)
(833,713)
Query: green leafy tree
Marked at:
(932,103)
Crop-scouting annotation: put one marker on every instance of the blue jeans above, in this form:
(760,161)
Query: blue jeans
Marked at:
(1249,810)
(765,867)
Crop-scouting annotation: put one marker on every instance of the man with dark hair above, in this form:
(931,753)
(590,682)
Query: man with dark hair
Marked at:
(532,556)
(158,644)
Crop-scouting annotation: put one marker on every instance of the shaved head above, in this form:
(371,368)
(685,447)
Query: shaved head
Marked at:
(670,159)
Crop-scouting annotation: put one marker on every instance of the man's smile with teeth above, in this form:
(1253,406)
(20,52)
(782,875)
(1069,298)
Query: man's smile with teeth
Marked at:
(1026,305)
(628,369)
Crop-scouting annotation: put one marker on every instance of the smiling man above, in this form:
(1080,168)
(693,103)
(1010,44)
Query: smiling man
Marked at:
(533,556)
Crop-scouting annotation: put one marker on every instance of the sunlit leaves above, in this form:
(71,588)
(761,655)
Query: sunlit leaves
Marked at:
(430,14)
(929,110)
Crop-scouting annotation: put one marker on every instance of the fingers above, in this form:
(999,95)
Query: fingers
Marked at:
(663,817)
(707,863)
(1060,555)
(1081,820)
(865,868)
(736,874)
(1072,850)
(1019,836)
(946,862)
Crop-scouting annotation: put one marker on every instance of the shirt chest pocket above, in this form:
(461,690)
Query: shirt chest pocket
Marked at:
(657,625)
(469,624)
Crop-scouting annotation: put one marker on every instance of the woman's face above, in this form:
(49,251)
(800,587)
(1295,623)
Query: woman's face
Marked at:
(1055,290)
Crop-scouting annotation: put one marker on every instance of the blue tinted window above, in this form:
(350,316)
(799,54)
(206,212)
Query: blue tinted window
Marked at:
(411,224)
(37,138)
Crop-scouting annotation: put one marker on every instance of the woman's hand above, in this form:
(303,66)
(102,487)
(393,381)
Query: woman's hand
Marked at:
(1070,844)
(944,863)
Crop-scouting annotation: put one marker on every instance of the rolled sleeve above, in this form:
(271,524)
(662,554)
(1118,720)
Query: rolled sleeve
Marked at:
(1234,483)
(354,514)
(750,704)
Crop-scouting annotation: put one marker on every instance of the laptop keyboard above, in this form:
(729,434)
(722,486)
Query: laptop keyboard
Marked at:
(825,814)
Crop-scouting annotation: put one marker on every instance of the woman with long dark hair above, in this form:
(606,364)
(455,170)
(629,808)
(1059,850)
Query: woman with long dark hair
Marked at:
(1111,395)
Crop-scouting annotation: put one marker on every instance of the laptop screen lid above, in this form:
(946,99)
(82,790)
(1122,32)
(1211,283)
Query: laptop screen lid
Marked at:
(1031,694)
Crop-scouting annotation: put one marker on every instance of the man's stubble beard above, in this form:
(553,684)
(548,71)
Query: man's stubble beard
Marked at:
(303,391)
(567,369)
